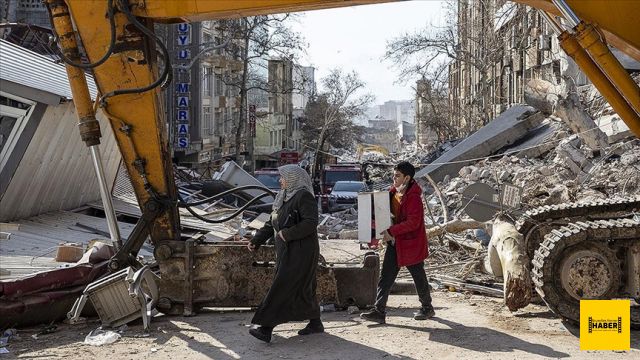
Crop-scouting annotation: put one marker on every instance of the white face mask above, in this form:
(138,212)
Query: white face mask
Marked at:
(402,187)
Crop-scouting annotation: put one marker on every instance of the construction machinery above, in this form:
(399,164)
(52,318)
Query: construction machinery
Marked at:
(119,43)
(364,149)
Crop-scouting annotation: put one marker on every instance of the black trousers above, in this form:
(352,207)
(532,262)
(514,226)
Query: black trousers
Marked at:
(388,276)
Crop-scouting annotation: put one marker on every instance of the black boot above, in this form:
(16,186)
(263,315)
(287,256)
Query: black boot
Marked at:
(314,326)
(262,333)
(374,315)
(424,313)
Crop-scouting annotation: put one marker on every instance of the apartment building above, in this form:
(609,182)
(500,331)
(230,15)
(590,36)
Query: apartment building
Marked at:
(501,46)
(202,104)
(278,130)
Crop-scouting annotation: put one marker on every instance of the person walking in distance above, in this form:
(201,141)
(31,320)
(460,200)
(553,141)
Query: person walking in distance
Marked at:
(407,245)
(293,223)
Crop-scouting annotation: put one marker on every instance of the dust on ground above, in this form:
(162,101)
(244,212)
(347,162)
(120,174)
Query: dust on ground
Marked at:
(465,326)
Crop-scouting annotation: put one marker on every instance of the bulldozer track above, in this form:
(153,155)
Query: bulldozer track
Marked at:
(538,222)
(603,241)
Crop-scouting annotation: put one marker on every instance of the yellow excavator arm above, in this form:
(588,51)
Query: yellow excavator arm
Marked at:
(118,41)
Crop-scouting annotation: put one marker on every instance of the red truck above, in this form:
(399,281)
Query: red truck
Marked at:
(336,172)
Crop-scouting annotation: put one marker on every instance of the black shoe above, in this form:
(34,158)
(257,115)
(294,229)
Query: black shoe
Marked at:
(261,333)
(424,314)
(313,327)
(375,316)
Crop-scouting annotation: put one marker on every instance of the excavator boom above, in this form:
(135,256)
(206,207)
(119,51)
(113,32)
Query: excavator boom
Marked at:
(117,38)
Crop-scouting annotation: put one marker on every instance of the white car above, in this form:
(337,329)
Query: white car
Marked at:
(344,195)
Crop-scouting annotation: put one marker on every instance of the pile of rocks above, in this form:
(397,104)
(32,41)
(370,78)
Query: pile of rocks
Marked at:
(569,173)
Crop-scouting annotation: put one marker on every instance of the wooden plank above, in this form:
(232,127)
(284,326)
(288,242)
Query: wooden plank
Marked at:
(364,217)
(382,212)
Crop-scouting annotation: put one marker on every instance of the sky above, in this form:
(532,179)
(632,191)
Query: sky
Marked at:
(354,38)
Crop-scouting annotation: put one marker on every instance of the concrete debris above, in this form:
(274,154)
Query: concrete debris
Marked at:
(502,131)
(550,166)
(567,105)
(338,224)
(569,173)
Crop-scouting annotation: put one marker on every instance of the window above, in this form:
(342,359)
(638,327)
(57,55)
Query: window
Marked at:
(14,115)
(207,77)
(218,42)
(269,180)
(349,186)
(207,121)
(331,177)
(218,85)
(218,123)
(225,118)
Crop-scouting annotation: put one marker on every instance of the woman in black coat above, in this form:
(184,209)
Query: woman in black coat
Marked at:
(293,223)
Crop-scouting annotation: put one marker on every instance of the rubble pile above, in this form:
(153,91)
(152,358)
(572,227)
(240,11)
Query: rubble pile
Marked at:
(569,173)
(331,226)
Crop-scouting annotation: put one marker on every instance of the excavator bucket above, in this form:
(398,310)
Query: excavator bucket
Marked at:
(227,275)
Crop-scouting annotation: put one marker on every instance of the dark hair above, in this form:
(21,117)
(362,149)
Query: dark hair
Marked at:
(406,169)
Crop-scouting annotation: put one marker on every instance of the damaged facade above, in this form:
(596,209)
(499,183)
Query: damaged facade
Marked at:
(503,46)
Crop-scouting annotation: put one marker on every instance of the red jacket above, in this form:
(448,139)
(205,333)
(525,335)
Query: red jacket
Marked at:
(409,231)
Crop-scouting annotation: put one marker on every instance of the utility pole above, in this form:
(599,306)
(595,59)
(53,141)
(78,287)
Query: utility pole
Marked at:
(251,134)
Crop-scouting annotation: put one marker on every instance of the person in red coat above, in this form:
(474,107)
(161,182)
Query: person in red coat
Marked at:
(406,245)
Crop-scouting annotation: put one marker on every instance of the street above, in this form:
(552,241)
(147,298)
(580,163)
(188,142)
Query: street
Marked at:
(465,326)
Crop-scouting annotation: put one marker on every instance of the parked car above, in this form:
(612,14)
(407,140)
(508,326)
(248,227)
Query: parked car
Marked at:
(269,177)
(344,194)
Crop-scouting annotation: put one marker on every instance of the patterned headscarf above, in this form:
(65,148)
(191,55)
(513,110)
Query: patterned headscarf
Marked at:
(297,179)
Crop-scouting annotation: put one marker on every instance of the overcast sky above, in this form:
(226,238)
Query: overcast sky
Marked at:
(354,38)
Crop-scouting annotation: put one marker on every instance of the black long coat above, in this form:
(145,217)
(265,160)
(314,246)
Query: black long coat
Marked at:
(292,296)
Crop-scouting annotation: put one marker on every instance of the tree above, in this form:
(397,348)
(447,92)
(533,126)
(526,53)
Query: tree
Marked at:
(432,108)
(254,40)
(473,37)
(328,117)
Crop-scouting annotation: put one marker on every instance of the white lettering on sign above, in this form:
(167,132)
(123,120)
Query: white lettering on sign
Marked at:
(204,156)
(511,196)
(183,101)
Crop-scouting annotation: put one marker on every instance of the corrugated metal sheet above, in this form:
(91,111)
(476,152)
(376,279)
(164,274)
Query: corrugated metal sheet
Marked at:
(31,69)
(56,170)
(32,248)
